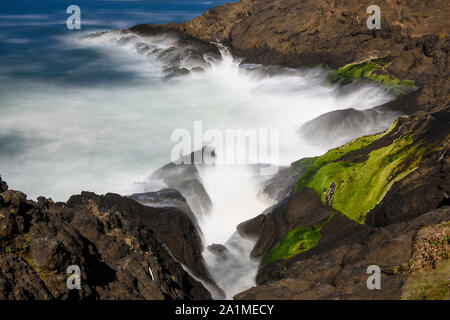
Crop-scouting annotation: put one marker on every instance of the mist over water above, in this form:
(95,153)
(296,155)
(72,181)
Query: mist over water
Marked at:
(110,131)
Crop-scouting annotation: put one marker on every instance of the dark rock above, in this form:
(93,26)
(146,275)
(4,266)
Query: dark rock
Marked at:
(182,40)
(45,253)
(13,198)
(309,33)
(274,187)
(171,226)
(184,176)
(113,241)
(426,187)
(197,70)
(144,48)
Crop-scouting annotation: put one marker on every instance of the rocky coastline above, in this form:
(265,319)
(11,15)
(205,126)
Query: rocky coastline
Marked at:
(380,199)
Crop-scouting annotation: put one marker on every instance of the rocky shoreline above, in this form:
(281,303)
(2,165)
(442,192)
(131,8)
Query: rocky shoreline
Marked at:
(379,200)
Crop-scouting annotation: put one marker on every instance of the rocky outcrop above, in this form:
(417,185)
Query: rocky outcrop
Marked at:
(339,270)
(186,179)
(361,204)
(115,242)
(3,185)
(413,41)
(311,223)
(183,176)
(330,32)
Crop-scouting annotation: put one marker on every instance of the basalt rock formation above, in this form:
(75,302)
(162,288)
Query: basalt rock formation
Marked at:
(115,242)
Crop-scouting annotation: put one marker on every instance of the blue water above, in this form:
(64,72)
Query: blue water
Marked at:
(30,32)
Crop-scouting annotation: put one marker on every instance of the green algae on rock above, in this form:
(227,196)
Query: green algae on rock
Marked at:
(372,70)
(354,188)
